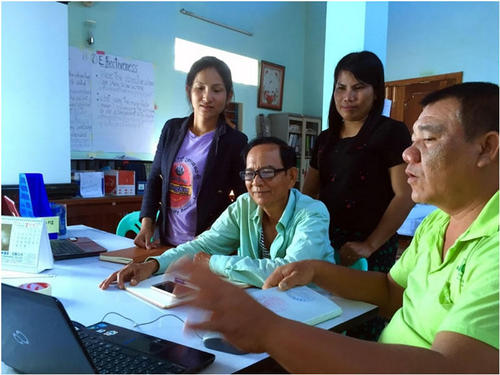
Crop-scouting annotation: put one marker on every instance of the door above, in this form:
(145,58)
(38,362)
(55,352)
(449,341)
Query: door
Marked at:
(406,94)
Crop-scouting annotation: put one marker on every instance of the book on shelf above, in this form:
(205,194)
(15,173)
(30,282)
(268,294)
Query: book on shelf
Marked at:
(292,139)
(132,254)
(312,127)
(310,140)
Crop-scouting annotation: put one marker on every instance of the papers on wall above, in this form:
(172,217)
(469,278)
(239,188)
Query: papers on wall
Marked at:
(111,104)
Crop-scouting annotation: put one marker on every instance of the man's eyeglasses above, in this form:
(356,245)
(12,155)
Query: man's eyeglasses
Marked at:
(265,173)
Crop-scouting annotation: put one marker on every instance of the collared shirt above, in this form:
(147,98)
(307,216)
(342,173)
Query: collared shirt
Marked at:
(457,294)
(302,234)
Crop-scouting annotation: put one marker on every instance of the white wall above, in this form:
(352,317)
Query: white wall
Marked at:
(314,57)
(146,31)
(345,33)
(377,17)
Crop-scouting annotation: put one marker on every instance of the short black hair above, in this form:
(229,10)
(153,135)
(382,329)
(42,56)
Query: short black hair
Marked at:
(211,62)
(478,105)
(287,153)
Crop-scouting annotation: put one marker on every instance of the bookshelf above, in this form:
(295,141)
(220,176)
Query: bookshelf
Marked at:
(301,133)
(234,115)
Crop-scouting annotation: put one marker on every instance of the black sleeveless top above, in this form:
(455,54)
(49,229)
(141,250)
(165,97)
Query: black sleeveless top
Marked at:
(354,179)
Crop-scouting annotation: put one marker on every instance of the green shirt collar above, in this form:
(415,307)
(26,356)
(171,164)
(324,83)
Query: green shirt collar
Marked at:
(287,213)
(486,223)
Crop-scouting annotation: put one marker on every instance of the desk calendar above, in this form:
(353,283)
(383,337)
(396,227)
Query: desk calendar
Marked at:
(25,244)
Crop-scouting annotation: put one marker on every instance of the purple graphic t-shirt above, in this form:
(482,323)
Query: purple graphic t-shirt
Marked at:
(185,180)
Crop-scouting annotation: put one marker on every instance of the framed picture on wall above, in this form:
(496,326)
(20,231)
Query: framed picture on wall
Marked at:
(271,81)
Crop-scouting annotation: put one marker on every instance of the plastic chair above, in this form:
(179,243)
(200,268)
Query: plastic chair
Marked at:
(361,264)
(129,223)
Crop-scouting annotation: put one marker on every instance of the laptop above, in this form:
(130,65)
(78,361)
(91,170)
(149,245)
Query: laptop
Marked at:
(39,337)
(75,247)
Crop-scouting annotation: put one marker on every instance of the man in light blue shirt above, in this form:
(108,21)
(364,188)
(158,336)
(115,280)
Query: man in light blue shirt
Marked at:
(271,225)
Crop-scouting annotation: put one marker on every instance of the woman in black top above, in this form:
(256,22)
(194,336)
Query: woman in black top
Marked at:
(357,168)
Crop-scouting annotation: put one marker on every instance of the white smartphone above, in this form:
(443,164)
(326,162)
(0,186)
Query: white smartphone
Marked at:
(173,289)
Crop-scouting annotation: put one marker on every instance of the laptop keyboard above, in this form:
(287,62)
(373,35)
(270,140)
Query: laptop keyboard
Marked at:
(63,247)
(109,358)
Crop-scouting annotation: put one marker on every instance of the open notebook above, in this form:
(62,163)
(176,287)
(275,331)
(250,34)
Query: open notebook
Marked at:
(300,303)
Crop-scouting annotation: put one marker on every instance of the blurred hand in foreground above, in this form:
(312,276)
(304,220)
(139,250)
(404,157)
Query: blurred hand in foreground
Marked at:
(203,259)
(231,311)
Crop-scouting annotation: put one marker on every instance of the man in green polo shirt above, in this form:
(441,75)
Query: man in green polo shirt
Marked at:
(441,295)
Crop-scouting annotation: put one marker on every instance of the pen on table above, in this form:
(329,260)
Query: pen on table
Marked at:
(178,280)
(181,281)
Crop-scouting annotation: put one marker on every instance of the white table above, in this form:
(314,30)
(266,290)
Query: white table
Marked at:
(75,283)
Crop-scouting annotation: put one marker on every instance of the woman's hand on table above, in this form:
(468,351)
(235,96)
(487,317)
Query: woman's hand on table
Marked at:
(133,272)
(351,251)
(143,238)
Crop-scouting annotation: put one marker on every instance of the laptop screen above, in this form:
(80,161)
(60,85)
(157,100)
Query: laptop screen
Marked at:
(37,335)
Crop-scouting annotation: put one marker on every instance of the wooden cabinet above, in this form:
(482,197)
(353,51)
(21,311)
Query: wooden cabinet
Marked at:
(101,213)
(301,133)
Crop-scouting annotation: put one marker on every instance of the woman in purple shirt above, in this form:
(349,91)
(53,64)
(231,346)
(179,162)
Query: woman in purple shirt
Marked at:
(197,162)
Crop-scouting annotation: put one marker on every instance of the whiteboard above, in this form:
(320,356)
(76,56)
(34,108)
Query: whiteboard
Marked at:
(111,106)
(34,93)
